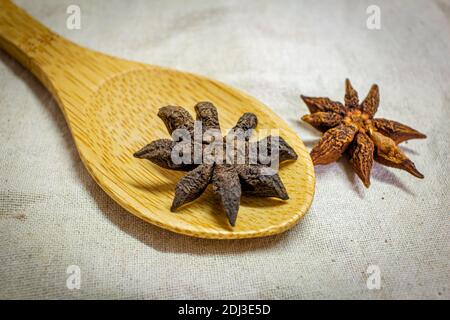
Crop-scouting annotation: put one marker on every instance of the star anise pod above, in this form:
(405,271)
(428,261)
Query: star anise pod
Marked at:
(352,128)
(228,180)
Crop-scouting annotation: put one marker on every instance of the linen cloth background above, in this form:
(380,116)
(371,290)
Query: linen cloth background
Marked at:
(53,215)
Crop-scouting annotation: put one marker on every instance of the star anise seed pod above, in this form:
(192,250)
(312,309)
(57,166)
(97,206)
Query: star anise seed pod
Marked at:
(229,180)
(352,128)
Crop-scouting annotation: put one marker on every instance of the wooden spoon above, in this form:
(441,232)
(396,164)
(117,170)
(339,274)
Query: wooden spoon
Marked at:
(110,106)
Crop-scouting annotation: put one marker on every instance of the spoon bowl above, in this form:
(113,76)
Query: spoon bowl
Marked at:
(110,106)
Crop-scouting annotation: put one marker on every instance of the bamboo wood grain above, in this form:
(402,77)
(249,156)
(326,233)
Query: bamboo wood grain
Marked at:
(110,105)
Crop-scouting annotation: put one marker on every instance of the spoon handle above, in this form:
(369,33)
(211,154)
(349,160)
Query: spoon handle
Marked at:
(28,41)
(62,66)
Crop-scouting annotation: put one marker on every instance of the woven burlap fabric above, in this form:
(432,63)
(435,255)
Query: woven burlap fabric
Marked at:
(52,214)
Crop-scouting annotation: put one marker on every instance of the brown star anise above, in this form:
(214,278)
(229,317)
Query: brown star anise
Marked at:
(352,128)
(229,180)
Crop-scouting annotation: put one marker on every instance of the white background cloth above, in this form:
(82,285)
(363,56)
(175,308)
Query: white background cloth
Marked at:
(53,215)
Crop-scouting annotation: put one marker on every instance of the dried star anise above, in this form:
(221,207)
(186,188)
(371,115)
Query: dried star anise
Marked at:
(228,180)
(352,128)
